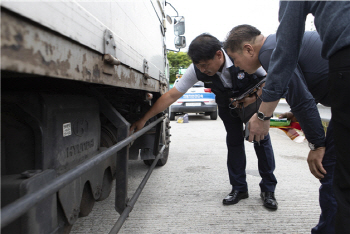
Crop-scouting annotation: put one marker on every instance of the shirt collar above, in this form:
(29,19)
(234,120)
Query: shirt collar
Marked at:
(228,62)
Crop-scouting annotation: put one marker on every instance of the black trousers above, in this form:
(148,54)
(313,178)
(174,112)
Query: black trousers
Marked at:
(328,203)
(339,74)
(236,157)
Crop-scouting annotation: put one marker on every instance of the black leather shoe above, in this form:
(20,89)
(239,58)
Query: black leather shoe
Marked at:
(269,200)
(234,197)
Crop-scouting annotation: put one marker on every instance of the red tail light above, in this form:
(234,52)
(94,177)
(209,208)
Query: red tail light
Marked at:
(207,90)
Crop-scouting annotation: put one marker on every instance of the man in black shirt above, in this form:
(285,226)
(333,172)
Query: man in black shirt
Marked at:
(332,21)
(308,86)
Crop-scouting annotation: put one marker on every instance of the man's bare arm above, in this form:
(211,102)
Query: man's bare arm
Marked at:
(161,104)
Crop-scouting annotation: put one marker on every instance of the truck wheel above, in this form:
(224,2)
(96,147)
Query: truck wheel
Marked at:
(108,139)
(214,115)
(66,229)
(87,201)
(162,161)
(107,185)
(172,116)
(63,224)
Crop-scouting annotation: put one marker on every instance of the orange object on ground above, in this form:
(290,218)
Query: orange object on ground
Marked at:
(291,132)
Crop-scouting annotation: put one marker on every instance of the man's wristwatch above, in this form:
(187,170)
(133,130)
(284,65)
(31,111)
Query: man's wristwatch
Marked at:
(262,116)
(314,146)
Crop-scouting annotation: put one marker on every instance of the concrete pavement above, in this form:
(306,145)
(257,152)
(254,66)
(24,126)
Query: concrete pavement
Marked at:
(185,196)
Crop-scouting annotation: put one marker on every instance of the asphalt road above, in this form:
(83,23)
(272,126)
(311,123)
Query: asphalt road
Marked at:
(185,195)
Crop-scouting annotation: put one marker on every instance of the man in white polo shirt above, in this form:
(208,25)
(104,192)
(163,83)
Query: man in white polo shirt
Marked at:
(212,65)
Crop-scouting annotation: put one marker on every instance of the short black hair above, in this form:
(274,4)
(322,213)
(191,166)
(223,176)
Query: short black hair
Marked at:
(238,35)
(203,47)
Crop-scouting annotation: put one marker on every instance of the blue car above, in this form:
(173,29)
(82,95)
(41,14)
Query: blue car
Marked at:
(197,99)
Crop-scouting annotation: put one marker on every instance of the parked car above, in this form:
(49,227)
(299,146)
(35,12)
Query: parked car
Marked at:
(197,99)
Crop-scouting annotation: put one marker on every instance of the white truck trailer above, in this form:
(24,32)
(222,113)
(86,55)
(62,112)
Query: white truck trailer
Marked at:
(74,76)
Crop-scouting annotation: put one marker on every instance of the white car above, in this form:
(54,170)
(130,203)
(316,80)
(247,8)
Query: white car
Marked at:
(197,99)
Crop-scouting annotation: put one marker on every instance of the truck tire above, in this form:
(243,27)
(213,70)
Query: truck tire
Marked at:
(87,201)
(214,115)
(163,160)
(64,226)
(172,116)
(108,139)
(107,185)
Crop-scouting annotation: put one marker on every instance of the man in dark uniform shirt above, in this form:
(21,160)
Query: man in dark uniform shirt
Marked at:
(308,86)
(332,21)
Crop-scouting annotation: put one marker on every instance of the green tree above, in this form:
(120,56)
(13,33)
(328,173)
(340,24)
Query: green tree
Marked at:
(177,60)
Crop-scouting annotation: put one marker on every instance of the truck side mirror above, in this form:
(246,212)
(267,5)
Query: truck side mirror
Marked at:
(180,42)
(179,26)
